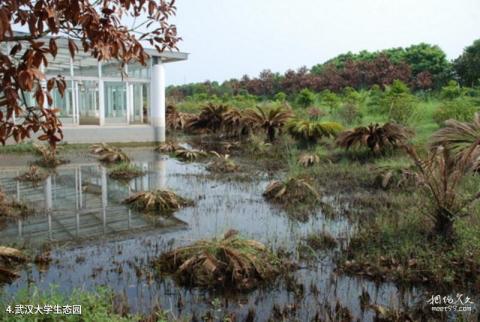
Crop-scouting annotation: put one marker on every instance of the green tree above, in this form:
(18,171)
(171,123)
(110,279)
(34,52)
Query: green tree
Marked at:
(467,66)
(425,57)
(330,99)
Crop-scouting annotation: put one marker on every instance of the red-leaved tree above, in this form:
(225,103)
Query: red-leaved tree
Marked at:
(99,26)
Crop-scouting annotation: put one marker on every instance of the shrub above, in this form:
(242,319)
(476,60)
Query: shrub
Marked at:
(209,119)
(377,138)
(271,120)
(330,99)
(305,97)
(451,91)
(349,113)
(397,103)
(461,109)
(281,97)
(310,132)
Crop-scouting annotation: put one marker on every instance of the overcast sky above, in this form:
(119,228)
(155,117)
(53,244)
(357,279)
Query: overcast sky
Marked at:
(230,38)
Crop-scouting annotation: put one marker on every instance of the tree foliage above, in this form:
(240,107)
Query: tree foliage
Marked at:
(96,26)
(467,66)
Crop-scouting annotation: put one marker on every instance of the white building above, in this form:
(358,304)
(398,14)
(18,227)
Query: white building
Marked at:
(102,104)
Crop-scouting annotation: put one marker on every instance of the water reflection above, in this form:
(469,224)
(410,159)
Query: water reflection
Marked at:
(81,201)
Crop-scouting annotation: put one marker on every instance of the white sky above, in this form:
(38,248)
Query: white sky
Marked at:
(230,38)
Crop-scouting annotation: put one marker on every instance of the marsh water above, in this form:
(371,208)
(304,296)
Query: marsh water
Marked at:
(97,241)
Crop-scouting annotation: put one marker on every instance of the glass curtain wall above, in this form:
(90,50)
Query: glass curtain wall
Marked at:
(88,102)
(141,99)
(115,102)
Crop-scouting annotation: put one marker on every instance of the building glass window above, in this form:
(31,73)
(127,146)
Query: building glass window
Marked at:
(115,102)
(88,107)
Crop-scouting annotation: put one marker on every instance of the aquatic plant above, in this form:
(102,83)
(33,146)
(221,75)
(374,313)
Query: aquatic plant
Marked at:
(125,171)
(321,241)
(291,190)
(222,164)
(462,139)
(443,175)
(163,202)
(309,132)
(271,120)
(109,154)
(34,175)
(307,160)
(9,258)
(189,155)
(230,262)
(210,118)
(12,208)
(375,137)
(167,147)
(48,156)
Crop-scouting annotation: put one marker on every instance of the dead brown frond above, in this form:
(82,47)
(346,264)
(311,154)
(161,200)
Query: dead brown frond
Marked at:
(162,202)
(377,138)
(235,124)
(12,208)
(462,139)
(167,147)
(222,164)
(190,155)
(9,258)
(210,118)
(230,262)
(388,177)
(292,190)
(307,160)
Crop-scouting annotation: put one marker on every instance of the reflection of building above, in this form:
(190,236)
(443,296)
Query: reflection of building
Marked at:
(104,103)
(80,201)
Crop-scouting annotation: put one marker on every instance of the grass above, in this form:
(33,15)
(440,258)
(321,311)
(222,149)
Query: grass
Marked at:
(97,306)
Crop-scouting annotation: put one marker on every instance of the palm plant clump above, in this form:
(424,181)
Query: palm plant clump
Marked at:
(109,154)
(443,175)
(310,132)
(190,155)
(210,118)
(461,139)
(235,124)
(174,119)
(222,164)
(307,160)
(167,147)
(230,262)
(375,137)
(34,175)
(162,202)
(9,259)
(270,120)
(48,156)
(290,191)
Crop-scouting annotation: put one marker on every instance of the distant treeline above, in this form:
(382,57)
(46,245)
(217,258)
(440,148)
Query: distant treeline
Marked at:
(422,67)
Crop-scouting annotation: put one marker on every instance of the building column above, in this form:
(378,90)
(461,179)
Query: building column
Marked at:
(101,96)
(157,96)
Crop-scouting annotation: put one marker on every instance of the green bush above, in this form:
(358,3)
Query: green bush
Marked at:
(330,100)
(305,97)
(461,109)
(451,91)
(280,97)
(397,103)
